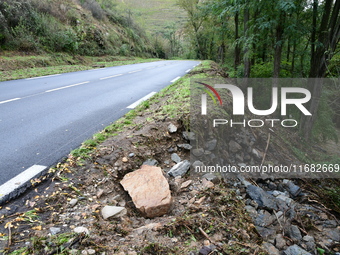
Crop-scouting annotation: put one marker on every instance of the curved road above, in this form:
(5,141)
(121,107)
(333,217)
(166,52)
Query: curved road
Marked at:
(42,119)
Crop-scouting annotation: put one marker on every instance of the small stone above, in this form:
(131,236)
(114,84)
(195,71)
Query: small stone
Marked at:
(185,146)
(286,199)
(151,226)
(132,253)
(265,232)
(310,246)
(295,250)
(294,233)
(172,128)
(205,251)
(175,158)
(264,219)
(293,189)
(91,251)
(180,169)
(73,202)
(211,145)
(256,153)
(251,210)
(190,136)
(113,211)
(174,240)
(81,230)
(186,184)
(207,184)
(125,159)
(211,177)
(308,239)
(131,155)
(54,230)
(271,249)
(280,242)
(206,242)
(333,234)
(151,162)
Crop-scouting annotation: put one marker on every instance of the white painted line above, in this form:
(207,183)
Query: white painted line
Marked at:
(42,77)
(10,100)
(187,71)
(135,71)
(97,69)
(177,78)
(104,78)
(135,104)
(69,86)
(19,181)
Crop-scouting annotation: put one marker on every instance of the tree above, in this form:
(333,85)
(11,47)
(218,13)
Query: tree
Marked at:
(325,39)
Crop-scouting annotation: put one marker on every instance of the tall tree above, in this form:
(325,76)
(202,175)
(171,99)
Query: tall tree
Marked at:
(326,38)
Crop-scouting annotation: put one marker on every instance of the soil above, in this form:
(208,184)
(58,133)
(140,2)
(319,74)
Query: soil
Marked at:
(211,215)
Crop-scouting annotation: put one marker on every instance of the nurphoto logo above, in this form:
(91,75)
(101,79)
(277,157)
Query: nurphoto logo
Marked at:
(239,104)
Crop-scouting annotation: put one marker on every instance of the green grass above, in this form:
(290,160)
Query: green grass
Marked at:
(34,66)
(153,15)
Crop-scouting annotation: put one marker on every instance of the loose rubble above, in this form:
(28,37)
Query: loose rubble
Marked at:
(147,202)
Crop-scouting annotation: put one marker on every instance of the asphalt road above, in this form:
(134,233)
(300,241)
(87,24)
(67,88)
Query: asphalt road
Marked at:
(42,119)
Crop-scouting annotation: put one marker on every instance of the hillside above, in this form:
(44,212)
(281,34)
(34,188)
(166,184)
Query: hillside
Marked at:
(154,15)
(82,27)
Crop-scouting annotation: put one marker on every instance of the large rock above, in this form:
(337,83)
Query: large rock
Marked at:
(149,191)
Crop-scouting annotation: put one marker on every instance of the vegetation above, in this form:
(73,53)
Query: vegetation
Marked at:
(27,66)
(82,27)
(278,39)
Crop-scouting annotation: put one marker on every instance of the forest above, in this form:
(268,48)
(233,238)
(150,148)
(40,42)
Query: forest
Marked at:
(274,39)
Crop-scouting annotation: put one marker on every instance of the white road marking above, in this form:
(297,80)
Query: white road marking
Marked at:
(97,69)
(135,104)
(42,77)
(187,71)
(104,78)
(177,78)
(19,181)
(10,100)
(69,86)
(135,71)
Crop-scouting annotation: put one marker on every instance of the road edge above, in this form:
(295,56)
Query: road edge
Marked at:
(19,184)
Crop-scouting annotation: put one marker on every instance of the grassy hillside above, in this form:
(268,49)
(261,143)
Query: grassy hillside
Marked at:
(85,27)
(153,15)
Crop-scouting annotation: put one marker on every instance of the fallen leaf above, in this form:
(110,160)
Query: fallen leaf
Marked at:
(37,228)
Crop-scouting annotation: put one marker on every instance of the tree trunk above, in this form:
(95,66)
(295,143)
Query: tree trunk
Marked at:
(278,46)
(328,37)
(237,59)
(246,51)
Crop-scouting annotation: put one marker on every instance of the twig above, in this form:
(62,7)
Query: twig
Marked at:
(278,220)
(265,152)
(9,236)
(205,234)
